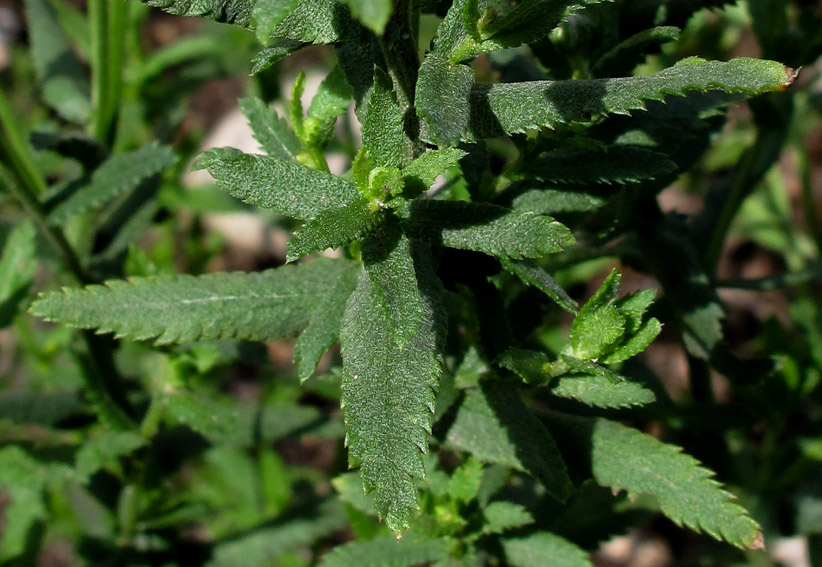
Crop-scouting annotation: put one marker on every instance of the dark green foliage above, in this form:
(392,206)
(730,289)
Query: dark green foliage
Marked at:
(487,404)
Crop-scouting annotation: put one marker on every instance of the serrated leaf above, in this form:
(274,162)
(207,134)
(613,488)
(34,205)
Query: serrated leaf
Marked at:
(268,14)
(97,452)
(324,327)
(63,79)
(386,552)
(39,408)
(492,110)
(634,306)
(349,487)
(270,130)
(637,343)
(388,261)
(544,548)
(465,481)
(17,266)
(600,391)
(503,516)
(286,187)
(229,11)
(553,201)
(534,367)
(333,228)
(623,57)
(533,275)
(374,14)
(118,174)
(382,130)
(494,425)
(613,164)
(332,99)
(388,387)
(181,308)
(594,333)
(421,173)
(280,49)
(486,228)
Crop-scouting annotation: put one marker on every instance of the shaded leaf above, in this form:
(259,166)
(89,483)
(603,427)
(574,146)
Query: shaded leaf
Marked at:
(382,130)
(386,552)
(374,14)
(613,164)
(503,516)
(230,11)
(270,130)
(544,548)
(333,228)
(531,274)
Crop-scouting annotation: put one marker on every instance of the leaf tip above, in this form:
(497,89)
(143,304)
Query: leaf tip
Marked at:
(758,542)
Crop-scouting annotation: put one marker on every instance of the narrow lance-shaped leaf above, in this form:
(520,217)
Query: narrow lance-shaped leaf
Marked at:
(118,174)
(333,228)
(532,274)
(317,21)
(180,308)
(64,81)
(486,228)
(270,130)
(286,187)
(493,110)
(626,459)
(389,389)
(333,98)
(229,11)
(268,14)
(17,266)
(494,425)
(421,173)
(622,59)
(373,14)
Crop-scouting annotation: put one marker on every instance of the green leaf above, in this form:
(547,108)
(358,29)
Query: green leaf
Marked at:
(286,187)
(17,266)
(492,110)
(23,478)
(180,308)
(623,458)
(613,164)
(382,130)
(465,481)
(210,418)
(270,130)
(39,408)
(421,173)
(62,77)
(502,516)
(494,425)
(268,14)
(98,452)
(374,14)
(622,58)
(552,201)
(599,325)
(332,99)
(637,343)
(533,275)
(118,174)
(600,391)
(349,487)
(386,552)
(389,386)
(229,11)
(333,228)
(324,327)
(486,228)
(544,548)
(317,21)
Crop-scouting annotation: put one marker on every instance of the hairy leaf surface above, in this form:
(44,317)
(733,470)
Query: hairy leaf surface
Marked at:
(229,11)
(286,187)
(333,228)
(389,387)
(118,174)
(491,110)
(614,164)
(626,459)
(272,132)
(181,308)
(421,173)
(532,274)
(382,130)
(373,14)
(486,228)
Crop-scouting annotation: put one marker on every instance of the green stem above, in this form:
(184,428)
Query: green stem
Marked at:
(108,31)
(739,190)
